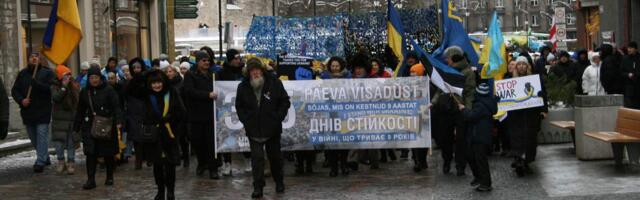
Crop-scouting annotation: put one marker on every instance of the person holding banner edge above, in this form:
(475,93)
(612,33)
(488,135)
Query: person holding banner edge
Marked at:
(262,104)
(198,88)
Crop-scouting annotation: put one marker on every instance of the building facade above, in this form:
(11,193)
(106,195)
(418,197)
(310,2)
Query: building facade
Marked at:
(612,21)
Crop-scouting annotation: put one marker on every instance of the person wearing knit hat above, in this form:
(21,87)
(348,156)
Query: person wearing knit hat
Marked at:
(449,120)
(61,71)
(480,127)
(184,67)
(82,76)
(232,67)
(65,93)
(98,99)
(262,104)
(417,70)
(164,64)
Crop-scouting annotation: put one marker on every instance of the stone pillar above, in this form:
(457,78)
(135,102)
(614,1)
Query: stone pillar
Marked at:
(9,42)
(595,113)
(102,14)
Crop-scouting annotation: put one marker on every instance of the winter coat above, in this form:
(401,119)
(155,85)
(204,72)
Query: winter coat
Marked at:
(196,87)
(631,64)
(39,111)
(591,81)
(65,103)
(480,119)
(4,111)
(327,75)
(440,98)
(263,120)
(539,65)
(134,108)
(229,73)
(567,70)
(610,71)
(523,123)
(105,103)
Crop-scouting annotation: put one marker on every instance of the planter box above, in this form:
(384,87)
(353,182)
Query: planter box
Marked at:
(550,134)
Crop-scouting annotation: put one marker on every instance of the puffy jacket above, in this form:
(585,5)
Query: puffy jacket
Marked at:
(591,81)
(480,118)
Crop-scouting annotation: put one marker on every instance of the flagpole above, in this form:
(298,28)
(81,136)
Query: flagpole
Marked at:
(215,121)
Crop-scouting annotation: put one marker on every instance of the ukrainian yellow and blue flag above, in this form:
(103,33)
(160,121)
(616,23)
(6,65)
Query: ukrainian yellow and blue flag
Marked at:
(64,32)
(454,34)
(395,38)
(494,54)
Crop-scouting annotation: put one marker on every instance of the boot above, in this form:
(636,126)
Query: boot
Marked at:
(90,184)
(257,193)
(213,174)
(138,164)
(71,168)
(279,188)
(60,167)
(160,193)
(171,193)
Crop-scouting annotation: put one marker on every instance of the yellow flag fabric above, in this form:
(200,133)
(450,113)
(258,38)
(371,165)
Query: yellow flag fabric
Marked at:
(484,59)
(68,32)
(395,42)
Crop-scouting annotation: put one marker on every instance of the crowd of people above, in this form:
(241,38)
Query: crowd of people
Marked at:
(157,114)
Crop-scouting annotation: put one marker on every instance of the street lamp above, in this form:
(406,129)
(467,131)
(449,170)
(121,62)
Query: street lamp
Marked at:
(466,21)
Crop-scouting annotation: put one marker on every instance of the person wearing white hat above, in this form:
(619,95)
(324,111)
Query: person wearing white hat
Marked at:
(523,125)
(591,78)
(184,68)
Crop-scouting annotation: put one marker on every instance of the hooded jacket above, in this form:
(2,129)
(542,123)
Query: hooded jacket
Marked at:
(591,81)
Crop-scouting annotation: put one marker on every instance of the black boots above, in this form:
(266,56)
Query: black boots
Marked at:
(90,184)
(257,193)
(279,188)
(160,194)
(213,174)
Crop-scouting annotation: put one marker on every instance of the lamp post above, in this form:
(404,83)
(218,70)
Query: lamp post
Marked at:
(466,20)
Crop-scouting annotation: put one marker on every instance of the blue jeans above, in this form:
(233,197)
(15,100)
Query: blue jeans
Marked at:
(68,145)
(39,136)
(129,143)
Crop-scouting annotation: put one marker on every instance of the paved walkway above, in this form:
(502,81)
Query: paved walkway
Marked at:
(558,175)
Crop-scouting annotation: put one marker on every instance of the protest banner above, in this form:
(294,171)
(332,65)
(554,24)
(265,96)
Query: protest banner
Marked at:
(338,114)
(519,93)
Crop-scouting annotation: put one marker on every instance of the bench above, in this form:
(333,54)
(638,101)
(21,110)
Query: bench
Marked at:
(627,134)
(571,125)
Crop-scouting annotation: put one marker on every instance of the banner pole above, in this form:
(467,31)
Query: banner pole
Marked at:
(215,120)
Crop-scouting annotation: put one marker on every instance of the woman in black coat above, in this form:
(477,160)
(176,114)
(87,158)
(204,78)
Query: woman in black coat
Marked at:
(134,111)
(98,99)
(523,126)
(163,114)
(175,79)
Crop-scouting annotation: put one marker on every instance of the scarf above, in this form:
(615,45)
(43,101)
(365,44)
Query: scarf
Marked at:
(165,111)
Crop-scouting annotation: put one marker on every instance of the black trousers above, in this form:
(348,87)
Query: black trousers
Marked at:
(184,147)
(503,142)
(477,157)
(203,141)
(450,136)
(305,158)
(274,154)
(420,156)
(337,159)
(528,145)
(92,164)
(165,175)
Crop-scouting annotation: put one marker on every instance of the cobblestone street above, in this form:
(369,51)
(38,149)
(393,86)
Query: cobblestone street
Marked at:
(557,175)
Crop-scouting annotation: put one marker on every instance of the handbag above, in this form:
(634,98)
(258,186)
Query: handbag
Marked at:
(101,126)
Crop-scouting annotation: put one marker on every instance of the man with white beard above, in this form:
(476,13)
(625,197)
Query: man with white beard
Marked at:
(262,104)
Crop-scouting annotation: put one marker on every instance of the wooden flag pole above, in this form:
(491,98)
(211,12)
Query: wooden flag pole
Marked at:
(35,69)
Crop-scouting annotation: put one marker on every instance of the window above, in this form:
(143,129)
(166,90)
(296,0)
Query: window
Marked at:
(517,3)
(534,2)
(571,35)
(499,3)
(463,4)
(571,18)
(534,20)
(517,21)
(130,32)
